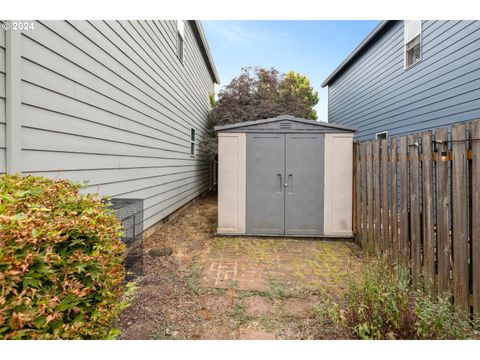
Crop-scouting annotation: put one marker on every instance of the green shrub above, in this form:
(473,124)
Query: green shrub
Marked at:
(61,261)
(383,305)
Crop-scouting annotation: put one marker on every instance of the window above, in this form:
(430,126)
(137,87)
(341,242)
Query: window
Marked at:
(192,142)
(180,39)
(381,135)
(413,42)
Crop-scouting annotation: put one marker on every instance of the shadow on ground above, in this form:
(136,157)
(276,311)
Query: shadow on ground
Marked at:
(236,287)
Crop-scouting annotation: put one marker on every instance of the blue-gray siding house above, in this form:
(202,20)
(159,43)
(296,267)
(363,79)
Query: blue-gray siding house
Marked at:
(408,76)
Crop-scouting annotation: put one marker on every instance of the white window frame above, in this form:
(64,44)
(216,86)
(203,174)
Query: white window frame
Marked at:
(380,133)
(193,142)
(408,39)
(180,40)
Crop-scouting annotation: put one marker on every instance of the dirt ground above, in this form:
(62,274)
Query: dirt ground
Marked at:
(214,287)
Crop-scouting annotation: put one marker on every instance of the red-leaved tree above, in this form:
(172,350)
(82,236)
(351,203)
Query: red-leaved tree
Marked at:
(259,93)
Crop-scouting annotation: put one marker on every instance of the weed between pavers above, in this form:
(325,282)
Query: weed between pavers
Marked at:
(277,289)
(239,313)
(193,275)
(233,284)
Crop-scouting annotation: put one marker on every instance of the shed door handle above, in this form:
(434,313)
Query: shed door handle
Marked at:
(281,182)
(290,183)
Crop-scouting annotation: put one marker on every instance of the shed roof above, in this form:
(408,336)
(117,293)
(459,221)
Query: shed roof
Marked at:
(307,123)
(373,35)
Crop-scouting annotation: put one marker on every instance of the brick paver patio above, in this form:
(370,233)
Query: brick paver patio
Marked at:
(251,263)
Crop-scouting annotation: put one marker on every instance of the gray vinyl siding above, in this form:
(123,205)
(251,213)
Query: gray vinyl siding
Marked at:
(110,103)
(2,100)
(375,93)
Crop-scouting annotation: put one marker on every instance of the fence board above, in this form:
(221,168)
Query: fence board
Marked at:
(370,193)
(376,196)
(476,217)
(415,230)
(393,200)
(356,192)
(404,236)
(427,211)
(384,196)
(364,192)
(459,201)
(442,213)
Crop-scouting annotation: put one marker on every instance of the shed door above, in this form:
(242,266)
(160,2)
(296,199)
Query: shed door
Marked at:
(265,208)
(285,181)
(304,164)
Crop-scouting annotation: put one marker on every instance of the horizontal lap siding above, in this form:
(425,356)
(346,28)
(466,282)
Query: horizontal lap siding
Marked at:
(111,104)
(2,100)
(377,94)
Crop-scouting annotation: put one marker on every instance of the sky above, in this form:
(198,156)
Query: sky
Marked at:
(312,48)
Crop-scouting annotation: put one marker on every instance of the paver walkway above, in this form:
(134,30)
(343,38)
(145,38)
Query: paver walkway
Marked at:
(235,287)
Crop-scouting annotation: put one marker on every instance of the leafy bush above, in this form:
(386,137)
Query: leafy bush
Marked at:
(384,305)
(61,261)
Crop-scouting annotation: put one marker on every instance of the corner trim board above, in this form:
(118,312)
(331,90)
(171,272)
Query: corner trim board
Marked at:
(13,102)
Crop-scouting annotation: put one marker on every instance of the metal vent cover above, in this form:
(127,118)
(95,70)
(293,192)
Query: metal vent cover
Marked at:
(130,214)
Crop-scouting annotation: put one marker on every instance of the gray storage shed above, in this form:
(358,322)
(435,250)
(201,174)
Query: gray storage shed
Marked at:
(285,176)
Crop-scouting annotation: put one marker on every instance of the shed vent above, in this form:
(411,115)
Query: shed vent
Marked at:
(285,124)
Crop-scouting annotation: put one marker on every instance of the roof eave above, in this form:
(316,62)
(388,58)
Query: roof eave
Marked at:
(356,51)
(203,40)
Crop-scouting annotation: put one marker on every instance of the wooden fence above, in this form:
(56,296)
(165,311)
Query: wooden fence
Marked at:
(417,199)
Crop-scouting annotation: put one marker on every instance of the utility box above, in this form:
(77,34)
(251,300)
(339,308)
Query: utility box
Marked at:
(285,176)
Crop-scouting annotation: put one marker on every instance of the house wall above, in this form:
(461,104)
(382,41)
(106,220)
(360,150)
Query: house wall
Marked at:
(338,185)
(231,183)
(110,102)
(375,93)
